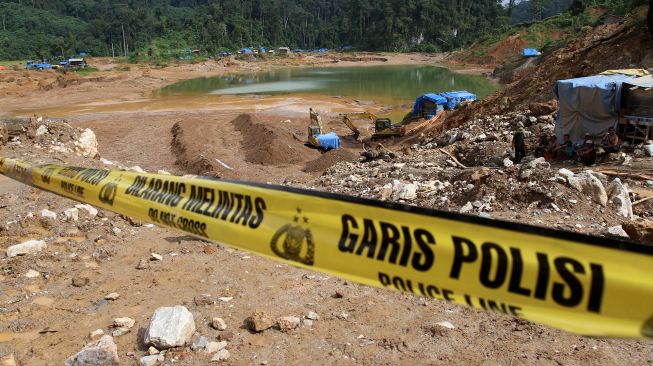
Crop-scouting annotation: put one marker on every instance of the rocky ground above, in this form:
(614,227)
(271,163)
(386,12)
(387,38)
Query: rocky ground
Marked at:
(87,285)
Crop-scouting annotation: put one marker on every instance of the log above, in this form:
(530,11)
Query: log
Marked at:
(453,158)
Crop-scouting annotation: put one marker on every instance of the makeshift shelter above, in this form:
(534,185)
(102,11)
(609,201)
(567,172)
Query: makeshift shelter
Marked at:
(531,52)
(454,98)
(329,141)
(637,108)
(428,105)
(246,51)
(588,105)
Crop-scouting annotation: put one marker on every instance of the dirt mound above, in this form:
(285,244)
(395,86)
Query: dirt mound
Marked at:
(266,145)
(329,159)
(187,159)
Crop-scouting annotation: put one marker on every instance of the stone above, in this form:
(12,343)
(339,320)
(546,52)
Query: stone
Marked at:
(101,353)
(142,264)
(96,334)
(213,347)
(640,230)
(151,360)
(32,274)
(199,344)
(92,211)
(72,214)
(226,336)
(587,183)
(117,332)
(288,323)
(619,197)
(259,321)
(312,315)
(136,169)
(170,327)
(116,231)
(112,296)
(617,231)
(27,247)
(156,257)
(538,163)
(152,351)
(507,163)
(87,145)
(80,281)
(41,130)
(218,323)
(221,355)
(467,208)
(48,214)
(446,324)
(405,192)
(540,109)
(566,172)
(123,322)
(203,300)
(307,322)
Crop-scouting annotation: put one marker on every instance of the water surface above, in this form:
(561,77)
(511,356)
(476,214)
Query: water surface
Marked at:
(386,84)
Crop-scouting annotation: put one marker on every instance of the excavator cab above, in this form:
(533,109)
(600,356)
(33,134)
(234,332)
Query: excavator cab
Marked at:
(383,127)
(383,124)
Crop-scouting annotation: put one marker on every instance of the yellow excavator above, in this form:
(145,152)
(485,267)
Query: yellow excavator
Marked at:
(317,137)
(383,127)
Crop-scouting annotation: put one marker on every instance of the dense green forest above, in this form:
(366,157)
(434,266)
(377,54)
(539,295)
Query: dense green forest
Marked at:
(61,28)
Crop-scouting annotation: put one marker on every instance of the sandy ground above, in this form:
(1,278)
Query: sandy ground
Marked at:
(45,319)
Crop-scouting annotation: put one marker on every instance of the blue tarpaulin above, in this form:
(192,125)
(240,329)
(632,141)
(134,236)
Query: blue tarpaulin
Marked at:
(454,98)
(329,140)
(531,52)
(246,51)
(420,109)
(588,105)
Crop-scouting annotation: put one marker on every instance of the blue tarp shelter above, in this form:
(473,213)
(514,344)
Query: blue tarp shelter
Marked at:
(246,51)
(531,52)
(329,140)
(588,105)
(428,105)
(454,98)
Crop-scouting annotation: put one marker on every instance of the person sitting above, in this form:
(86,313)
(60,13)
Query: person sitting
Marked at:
(587,153)
(542,146)
(565,150)
(611,143)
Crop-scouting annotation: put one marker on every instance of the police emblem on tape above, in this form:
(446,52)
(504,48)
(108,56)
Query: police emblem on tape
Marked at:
(294,242)
(108,192)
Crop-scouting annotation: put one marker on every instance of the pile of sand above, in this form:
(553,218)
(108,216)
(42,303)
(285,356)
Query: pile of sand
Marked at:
(329,159)
(265,144)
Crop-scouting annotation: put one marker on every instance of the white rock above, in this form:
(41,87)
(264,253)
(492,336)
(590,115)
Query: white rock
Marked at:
(618,231)
(87,145)
(48,214)
(90,209)
(136,169)
(507,163)
(222,355)
(152,351)
(312,315)
(307,322)
(446,324)
(112,296)
(123,322)
(42,130)
(587,183)
(151,360)
(116,231)
(107,162)
(32,274)
(288,323)
(218,323)
(540,163)
(405,192)
(28,247)
(618,196)
(170,327)
(467,208)
(101,353)
(117,332)
(213,347)
(163,172)
(72,214)
(566,172)
(156,257)
(98,333)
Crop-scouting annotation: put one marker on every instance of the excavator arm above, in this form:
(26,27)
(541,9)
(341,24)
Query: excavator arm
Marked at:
(346,119)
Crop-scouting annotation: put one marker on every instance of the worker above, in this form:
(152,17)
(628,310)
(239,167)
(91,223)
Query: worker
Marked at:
(565,150)
(519,145)
(611,142)
(587,153)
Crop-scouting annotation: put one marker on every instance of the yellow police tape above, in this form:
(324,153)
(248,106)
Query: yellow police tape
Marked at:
(587,285)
